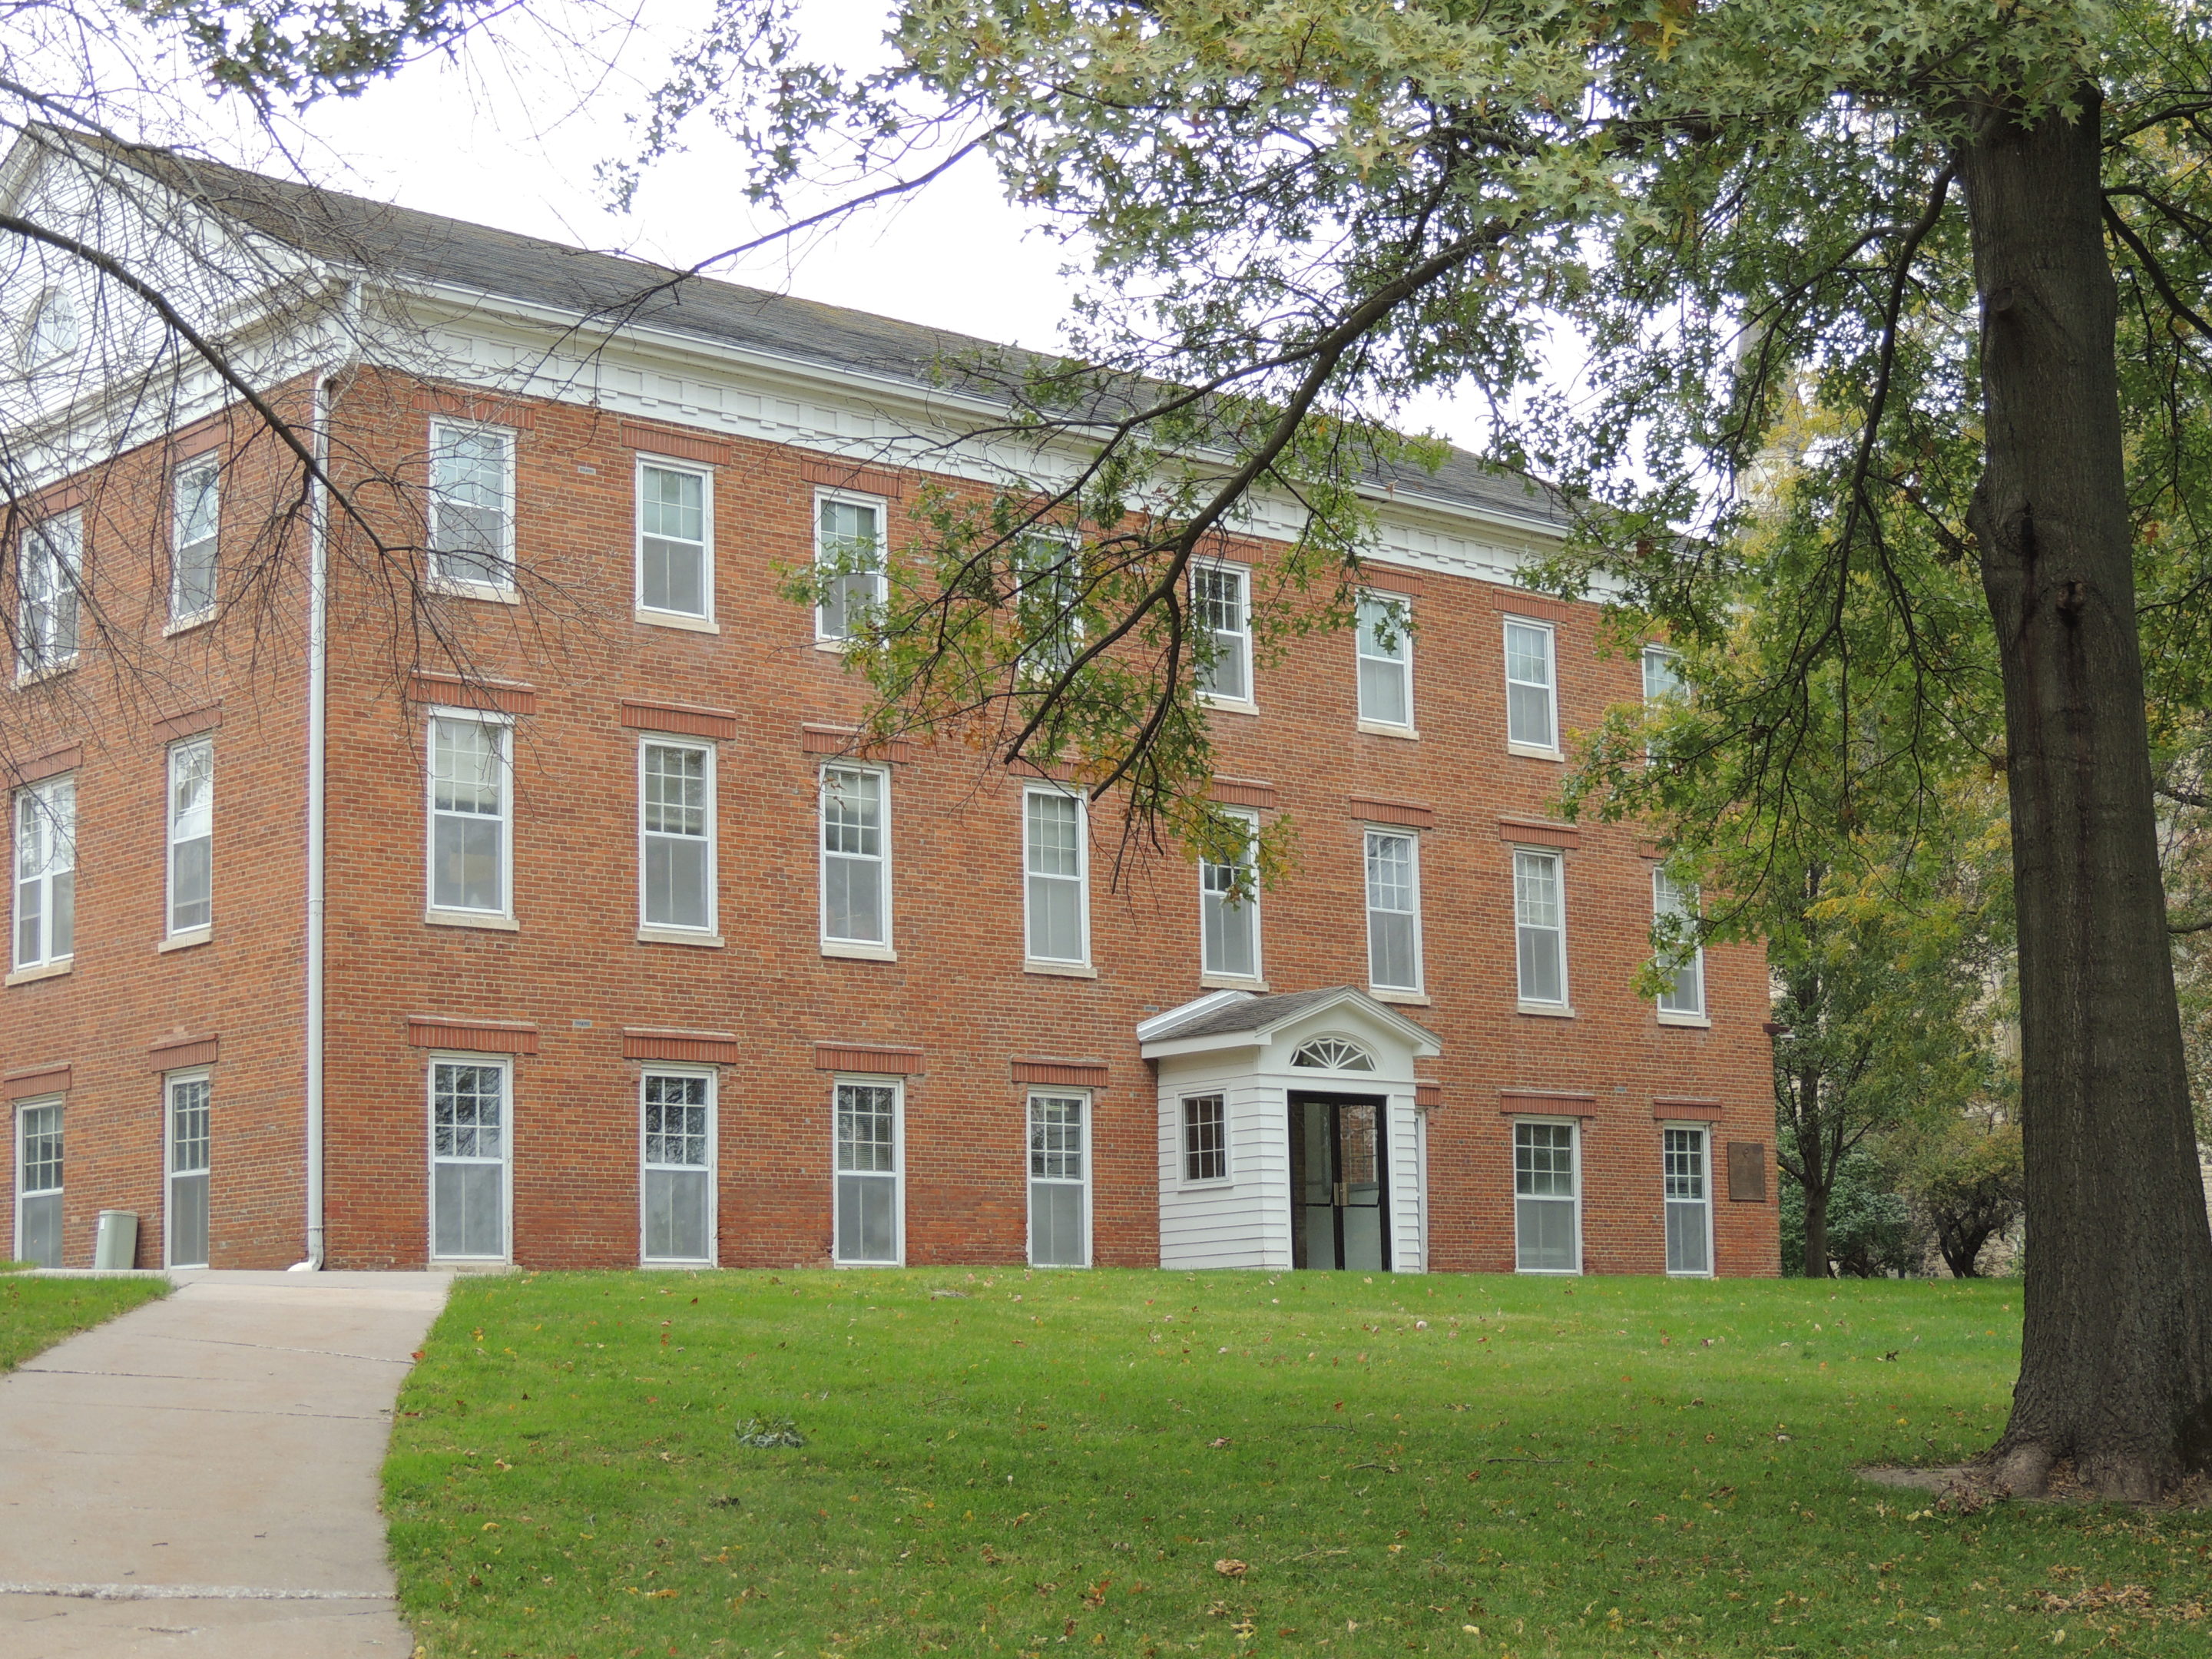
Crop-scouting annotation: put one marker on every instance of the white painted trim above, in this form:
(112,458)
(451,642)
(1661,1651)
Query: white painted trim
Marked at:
(505,1064)
(1089,1183)
(1072,966)
(452,915)
(700,621)
(875,950)
(678,932)
(1575,1125)
(714,1166)
(897,1086)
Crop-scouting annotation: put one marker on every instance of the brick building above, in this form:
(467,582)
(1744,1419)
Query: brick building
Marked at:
(612,946)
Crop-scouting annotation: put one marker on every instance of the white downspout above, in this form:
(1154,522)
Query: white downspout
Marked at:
(318,814)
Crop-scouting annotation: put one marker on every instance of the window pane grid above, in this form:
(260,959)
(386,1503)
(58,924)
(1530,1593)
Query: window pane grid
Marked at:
(1217,606)
(1528,671)
(188,1126)
(468,802)
(46,871)
(42,1149)
(191,835)
(1053,853)
(1056,1137)
(53,559)
(867,1129)
(466,1121)
(674,801)
(675,1122)
(471,493)
(672,519)
(1385,662)
(1229,904)
(1205,1138)
(1543,1160)
(1685,993)
(849,541)
(1685,1155)
(854,889)
(1539,928)
(192,570)
(1392,911)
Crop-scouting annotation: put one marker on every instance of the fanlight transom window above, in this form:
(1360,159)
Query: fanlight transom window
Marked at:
(1330,1053)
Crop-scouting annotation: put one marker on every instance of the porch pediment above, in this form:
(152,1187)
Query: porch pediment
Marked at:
(1327,1022)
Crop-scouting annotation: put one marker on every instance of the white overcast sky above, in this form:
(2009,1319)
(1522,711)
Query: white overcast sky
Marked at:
(510,135)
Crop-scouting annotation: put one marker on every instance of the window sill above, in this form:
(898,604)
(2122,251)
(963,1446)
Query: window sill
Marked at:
(834,647)
(53,969)
(675,619)
(679,936)
(1535,751)
(1411,998)
(1384,729)
(185,940)
(51,670)
(1695,1022)
(1545,1010)
(185,624)
(454,588)
(1229,705)
(1231,982)
(483,919)
(1060,969)
(855,952)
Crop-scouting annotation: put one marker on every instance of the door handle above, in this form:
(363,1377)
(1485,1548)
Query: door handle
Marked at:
(1343,1195)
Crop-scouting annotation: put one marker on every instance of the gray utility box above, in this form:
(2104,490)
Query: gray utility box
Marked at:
(116,1244)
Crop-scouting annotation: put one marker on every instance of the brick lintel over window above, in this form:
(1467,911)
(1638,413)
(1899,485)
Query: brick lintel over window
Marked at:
(1427,1096)
(189,724)
(720,724)
(474,406)
(174,1054)
(35,1080)
(1244,791)
(1389,579)
(1537,832)
(676,443)
(506,696)
(1066,1073)
(860,1057)
(1650,849)
(814,740)
(490,1036)
(51,765)
(701,1048)
(1408,814)
(1519,602)
(1544,1102)
(1058,771)
(1711,1110)
(836,474)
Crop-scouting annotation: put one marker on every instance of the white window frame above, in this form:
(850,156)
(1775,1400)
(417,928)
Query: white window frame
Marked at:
(1208,973)
(37,647)
(1419,987)
(1403,662)
(170,1082)
(1557,861)
(1182,1127)
(709,931)
(1669,897)
(472,586)
(1038,552)
(48,959)
(1574,1128)
(431,910)
(1082,878)
(712,1166)
(702,619)
(897,1086)
(1247,701)
(52,332)
(21,1135)
(177,752)
(180,616)
(1549,749)
(1705,1132)
(505,1064)
(1031,1179)
(882,950)
(823,637)
(1654,654)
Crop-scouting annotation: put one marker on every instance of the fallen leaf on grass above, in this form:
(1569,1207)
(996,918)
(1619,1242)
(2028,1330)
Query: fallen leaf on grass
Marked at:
(1230,1568)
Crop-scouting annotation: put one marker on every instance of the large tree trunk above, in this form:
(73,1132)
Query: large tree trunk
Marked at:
(1816,1231)
(2116,1368)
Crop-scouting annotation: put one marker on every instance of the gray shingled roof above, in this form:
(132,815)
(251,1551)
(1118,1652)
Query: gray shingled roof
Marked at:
(1254,1013)
(426,247)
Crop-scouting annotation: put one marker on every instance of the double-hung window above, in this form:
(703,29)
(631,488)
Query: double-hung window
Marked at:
(1221,609)
(1057,888)
(675,528)
(869,1223)
(1394,910)
(51,567)
(1664,687)
(195,519)
(1689,1202)
(1386,661)
(1204,1138)
(677,1189)
(38,1182)
(468,1157)
(1540,927)
(471,518)
(189,1095)
(676,832)
(191,836)
(1547,1199)
(1048,573)
(1532,715)
(1674,906)
(848,561)
(1228,910)
(470,786)
(1059,1190)
(46,872)
(856,859)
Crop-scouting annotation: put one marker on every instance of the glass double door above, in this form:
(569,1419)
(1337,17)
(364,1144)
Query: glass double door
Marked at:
(1339,1217)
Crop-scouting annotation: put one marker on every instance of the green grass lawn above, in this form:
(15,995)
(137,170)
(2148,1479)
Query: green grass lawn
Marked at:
(1048,1463)
(37,1313)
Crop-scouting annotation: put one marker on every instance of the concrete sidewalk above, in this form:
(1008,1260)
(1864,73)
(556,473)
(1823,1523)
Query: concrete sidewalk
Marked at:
(199,1477)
